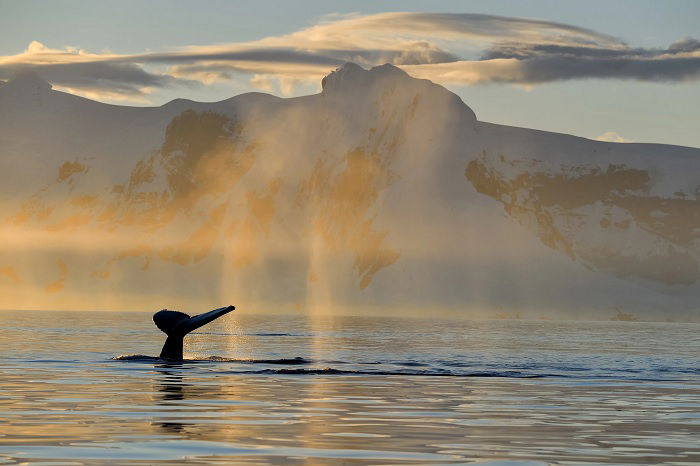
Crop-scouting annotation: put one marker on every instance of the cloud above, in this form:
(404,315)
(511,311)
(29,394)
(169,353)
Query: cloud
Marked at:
(611,136)
(261,82)
(447,48)
(479,27)
(96,75)
(543,63)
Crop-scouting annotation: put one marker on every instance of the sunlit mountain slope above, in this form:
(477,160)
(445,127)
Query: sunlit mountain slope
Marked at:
(381,194)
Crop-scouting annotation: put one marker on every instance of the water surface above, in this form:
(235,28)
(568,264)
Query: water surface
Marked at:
(86,388)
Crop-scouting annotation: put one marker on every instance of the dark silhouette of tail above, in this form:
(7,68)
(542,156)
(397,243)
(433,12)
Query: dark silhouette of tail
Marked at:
(178,324)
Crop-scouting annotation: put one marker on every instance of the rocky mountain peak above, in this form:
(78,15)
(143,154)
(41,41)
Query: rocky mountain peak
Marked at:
(351,75)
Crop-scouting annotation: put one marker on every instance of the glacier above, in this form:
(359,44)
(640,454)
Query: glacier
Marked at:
(382,194)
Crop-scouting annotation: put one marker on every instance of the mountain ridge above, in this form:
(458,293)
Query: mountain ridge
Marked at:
(246,95)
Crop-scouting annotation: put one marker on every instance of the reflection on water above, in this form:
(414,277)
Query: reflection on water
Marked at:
(603,395)
(171,389)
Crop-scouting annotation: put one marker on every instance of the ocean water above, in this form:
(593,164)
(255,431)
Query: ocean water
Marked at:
(85,388)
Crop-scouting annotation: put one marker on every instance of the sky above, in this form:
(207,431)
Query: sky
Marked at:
(626,71)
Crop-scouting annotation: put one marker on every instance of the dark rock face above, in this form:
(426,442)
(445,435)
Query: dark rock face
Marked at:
(583,210)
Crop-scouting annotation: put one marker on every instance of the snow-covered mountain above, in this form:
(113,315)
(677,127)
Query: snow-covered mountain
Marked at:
(381,194)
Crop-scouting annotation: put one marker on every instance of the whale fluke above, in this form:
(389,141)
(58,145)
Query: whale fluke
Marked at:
(178,324)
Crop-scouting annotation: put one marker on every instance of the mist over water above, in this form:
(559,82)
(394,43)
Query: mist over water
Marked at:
(363,390)
(382,195)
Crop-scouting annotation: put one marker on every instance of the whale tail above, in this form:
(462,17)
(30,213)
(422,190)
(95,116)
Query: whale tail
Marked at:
(178,324)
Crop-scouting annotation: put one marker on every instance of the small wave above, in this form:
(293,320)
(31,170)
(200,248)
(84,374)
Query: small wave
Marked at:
(51,361)
(433,373)
(256,334)
(286,361)
(410,363)
(136,357)
(391,369)
(281,361)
